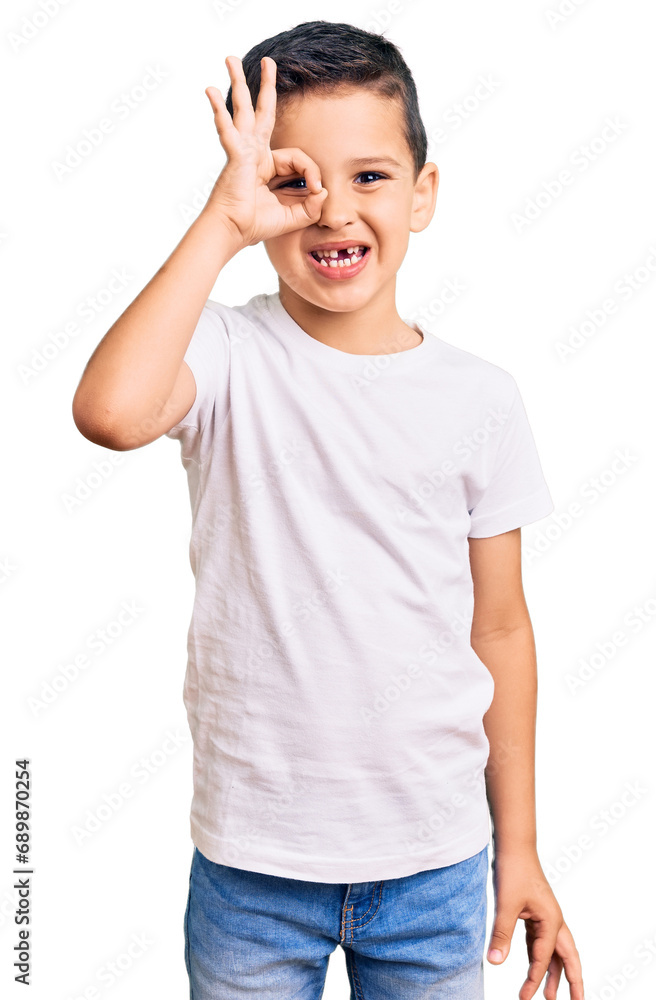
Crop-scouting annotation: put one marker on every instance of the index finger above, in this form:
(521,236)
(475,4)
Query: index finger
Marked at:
(292,160)
(265,108)
(541,952)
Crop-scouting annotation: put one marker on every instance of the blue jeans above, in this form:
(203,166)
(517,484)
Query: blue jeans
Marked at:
(263,936)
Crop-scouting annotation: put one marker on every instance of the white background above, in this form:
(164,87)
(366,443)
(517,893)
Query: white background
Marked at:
(66,571)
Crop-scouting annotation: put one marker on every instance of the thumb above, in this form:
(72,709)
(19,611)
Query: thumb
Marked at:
(500,940)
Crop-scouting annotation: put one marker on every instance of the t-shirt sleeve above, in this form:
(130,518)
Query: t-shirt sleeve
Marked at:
(517,492)
(208,357)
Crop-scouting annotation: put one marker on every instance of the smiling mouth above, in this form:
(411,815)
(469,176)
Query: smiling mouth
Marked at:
(340,258)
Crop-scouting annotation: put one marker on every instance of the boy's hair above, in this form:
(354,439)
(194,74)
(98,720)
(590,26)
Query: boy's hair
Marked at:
(321,56)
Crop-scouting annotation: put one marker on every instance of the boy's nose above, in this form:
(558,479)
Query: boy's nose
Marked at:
(336,210)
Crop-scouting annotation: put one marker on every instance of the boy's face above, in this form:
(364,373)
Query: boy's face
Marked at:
(373,203)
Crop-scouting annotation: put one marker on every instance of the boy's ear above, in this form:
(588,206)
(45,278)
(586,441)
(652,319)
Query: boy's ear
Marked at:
(424,198)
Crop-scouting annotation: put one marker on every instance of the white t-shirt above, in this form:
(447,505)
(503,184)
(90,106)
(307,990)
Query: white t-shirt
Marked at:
(332,693)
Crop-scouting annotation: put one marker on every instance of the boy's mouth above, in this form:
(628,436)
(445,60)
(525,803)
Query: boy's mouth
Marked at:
(342,262)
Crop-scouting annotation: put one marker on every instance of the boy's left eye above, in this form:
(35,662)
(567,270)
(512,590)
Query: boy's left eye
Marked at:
(365,173)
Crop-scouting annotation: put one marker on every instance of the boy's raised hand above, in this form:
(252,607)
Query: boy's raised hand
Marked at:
(240,194)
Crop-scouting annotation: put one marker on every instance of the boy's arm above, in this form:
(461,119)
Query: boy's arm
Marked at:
(136,386)
(502,637)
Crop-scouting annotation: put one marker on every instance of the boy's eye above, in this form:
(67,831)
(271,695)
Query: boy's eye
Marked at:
(370,173)
(365,173)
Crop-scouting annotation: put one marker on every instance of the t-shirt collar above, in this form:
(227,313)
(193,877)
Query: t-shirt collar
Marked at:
(332,357)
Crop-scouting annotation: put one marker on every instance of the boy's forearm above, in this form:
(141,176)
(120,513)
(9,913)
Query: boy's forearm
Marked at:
(133,370)
(510,728)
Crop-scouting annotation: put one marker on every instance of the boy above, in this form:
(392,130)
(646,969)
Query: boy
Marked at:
(358,488)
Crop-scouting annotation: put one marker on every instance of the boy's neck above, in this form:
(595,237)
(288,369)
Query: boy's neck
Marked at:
(375,329)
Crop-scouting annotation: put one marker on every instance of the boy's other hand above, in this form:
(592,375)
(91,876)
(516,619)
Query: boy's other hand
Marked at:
(240,195)
(522,892)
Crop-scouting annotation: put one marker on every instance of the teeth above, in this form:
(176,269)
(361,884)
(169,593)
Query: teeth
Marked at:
(334,253)
(330,258)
